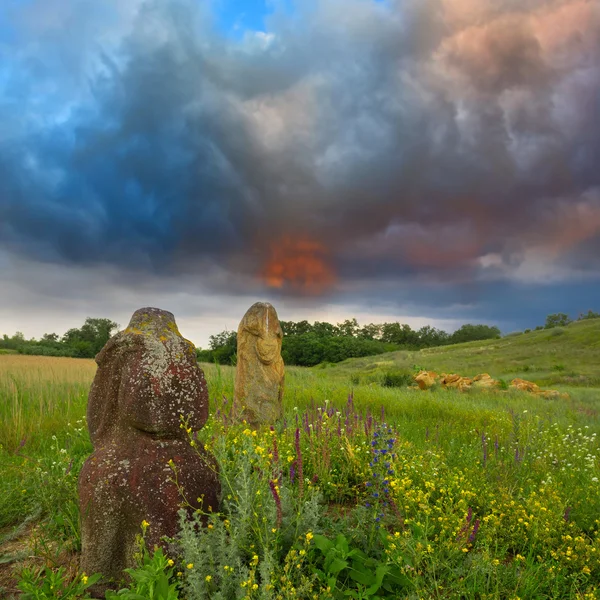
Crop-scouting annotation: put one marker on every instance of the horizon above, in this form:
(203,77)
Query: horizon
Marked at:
(430,163)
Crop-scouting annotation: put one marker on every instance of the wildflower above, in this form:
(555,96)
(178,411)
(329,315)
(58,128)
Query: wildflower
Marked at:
(208,578)
(145,524)
(275,494)
(170,562)
(299,463)
(84,578)
(190,565)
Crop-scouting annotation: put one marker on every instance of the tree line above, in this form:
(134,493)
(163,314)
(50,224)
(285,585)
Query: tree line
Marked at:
(308,344)
(83,342)
(304,343)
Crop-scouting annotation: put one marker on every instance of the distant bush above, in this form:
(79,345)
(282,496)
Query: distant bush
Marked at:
(396,379)
(513,334)
(557,320)
(527,331)
(38,350)
(472,333)
(557,331)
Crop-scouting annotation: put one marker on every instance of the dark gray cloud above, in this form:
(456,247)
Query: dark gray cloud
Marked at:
(352,144)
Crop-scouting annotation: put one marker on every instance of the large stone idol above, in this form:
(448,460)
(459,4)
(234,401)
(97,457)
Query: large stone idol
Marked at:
(147,379)
(260,372)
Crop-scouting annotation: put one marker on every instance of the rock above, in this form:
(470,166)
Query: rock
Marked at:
(456,381)
(451,380)
(260,371)
(484,381)
(147,379)
(549,394)
(524,385)
(425,379)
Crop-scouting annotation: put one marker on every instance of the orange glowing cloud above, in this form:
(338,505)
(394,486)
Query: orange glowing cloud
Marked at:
(299,263)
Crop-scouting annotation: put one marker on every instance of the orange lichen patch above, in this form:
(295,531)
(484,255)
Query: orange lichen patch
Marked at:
(300,263)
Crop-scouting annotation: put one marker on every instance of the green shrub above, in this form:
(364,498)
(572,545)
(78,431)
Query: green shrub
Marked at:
(396,379)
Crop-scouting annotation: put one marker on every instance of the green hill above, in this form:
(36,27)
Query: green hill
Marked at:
(563,355)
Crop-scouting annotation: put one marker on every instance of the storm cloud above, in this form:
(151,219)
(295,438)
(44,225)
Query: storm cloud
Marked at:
(352,144)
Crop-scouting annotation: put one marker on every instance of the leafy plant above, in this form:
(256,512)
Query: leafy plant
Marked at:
(396,379)
(47,584)
(152,579)
(349,572)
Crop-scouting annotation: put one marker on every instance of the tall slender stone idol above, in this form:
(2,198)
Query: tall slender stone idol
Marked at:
(260,371)
(147,379)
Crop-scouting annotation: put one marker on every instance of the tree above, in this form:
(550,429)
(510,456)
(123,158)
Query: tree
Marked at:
(91,338)
(50,339)
(470,333)
(430,336)
(399,334)
(224,347)
(348,328)
(371,331)
(557,320)
(589,315)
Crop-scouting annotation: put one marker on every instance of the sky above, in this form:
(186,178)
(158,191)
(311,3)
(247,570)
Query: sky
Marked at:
(423,161)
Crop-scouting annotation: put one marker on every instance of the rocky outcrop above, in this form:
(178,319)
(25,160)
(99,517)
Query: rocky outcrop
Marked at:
(427,379)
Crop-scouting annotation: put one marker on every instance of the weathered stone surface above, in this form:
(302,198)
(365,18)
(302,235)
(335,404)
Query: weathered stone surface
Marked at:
(524,385)
(260,371)
(425,379)
(147,379)
(484,381)
(455,381)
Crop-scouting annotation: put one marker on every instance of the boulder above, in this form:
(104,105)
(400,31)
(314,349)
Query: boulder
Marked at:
(454,381)
(425,379)
(524,385)
(484,381)
(260,371)
(549,394)
(147,381)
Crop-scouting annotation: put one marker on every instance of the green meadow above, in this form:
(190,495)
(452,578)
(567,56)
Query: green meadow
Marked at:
(373,489)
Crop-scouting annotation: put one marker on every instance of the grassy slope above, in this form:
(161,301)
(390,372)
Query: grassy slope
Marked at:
(569,355)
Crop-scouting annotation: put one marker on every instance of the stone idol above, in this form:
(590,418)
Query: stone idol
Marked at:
(147,379)
(260,371)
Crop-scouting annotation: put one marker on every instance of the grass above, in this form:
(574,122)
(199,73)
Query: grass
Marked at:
(567,355)
(39,395)
(506,457)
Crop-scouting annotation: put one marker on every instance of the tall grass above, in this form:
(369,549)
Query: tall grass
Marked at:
(39,395)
